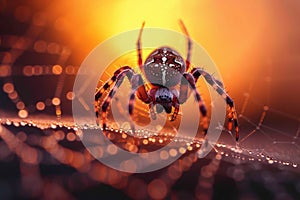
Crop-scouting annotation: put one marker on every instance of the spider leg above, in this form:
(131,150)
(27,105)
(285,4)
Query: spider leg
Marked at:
(176,110)
(119,77)
(183,90)
(142,92)
(191,81)
(189,44)
(137,86)
(110,81)
(218,86)
(152,112)
(139,48)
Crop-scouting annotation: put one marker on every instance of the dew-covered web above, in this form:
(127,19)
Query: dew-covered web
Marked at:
(40,144)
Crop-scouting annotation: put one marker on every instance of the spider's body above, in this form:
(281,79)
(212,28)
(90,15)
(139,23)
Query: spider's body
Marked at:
(164,69)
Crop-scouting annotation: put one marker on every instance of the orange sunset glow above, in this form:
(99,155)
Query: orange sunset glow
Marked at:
(53,141)
(243,38)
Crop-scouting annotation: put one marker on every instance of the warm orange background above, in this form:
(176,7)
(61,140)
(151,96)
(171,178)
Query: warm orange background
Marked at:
(254,43)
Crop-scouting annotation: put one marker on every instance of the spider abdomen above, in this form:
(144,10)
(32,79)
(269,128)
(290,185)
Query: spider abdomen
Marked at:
(164,67)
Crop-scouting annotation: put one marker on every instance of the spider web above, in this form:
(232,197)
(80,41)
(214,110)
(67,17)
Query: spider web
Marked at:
(40,143)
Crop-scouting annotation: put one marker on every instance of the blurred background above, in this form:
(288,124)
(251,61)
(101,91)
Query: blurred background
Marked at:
(255,45)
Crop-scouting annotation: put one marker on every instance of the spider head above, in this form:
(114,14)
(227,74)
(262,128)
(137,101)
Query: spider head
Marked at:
(164,97)
(164,67)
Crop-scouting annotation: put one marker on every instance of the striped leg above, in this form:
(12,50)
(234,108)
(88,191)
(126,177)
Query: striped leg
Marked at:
(106,86)
(118,78)
(189,44)
(189,77)
(176,108)
(218,86)
(108,83)
(183,90)
(139,48)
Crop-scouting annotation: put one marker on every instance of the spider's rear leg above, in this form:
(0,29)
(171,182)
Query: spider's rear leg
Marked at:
(218,86)
(119,77)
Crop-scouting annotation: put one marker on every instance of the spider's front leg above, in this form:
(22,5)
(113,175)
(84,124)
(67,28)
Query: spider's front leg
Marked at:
(189,44)
(189,81)
(218,86)
(175,104)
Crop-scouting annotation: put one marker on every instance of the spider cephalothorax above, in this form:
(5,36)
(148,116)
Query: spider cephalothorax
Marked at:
(164,69)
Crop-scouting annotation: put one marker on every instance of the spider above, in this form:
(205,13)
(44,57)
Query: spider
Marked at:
(164,69)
